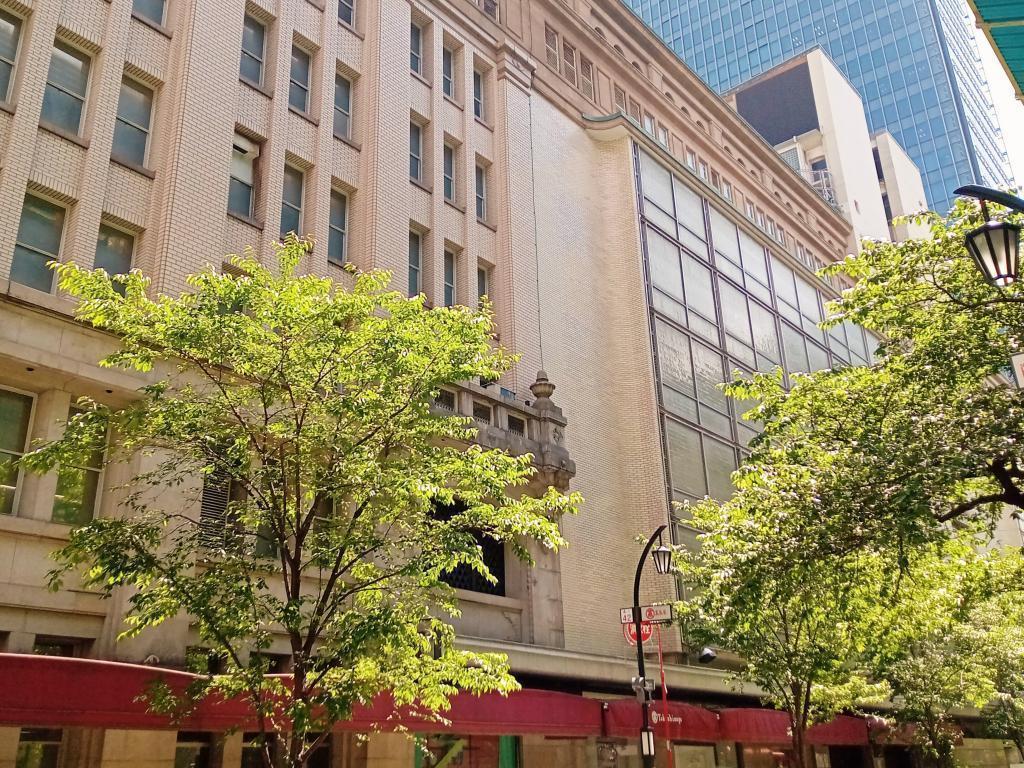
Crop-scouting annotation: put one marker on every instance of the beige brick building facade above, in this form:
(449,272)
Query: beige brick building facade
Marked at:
(472,148)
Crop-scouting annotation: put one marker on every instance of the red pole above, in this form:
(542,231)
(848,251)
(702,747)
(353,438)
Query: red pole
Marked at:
(664,699)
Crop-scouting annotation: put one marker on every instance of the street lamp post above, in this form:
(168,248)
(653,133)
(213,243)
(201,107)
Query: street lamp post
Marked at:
(995,245)
(662,557)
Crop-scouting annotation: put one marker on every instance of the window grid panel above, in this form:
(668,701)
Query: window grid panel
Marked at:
(10,39)
(298,80)
(40,232)
(67,82)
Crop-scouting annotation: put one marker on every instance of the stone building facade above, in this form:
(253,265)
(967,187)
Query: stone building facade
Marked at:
(503,148)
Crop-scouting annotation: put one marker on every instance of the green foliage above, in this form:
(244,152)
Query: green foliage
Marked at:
(846,563)
(312,405)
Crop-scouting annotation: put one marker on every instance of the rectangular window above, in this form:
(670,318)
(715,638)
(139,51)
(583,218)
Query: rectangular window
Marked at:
(569,62)
(449,172)
(114,249)
(298,80)
(218,529)
(749,208)
(254,48)
(342,107)
(347,12)
(416,48)
(38,243)
(648,123)
(490,7)
(15,412)
(483,282)
(448,72)
(691,160)
(478,94)
(481,193)
(338,225)
(663,135)
(131,129)
(587,77)
(10,37)
(242,186)
(152,10)
(415,152)
(38,748)
(291,201)
(726,190)
(415,262)
(620,99)
(551,46)
(702,170)
(66,84)
(449,278)
(78,485)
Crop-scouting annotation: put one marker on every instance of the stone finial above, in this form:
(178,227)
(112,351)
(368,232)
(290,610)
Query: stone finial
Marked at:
(542,388)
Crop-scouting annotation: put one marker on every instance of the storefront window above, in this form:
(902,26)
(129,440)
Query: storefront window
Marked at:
(452,750)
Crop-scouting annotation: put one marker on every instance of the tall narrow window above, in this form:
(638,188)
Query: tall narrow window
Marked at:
(415,152)
(78,484)
(15,412)
(218,528)
(254,50)
(242,187)
(448,72)
(478,95)
(131,129)
(551,46)
(483,282)
(347,12)
(663,135)
(38,243)
(291,201)
(587,77)
(338,225)
(634,110)
(10,36)
(569,62)
(342,107)
(620,99)
(151,10)
(415,262)
(481,193)
(449,278)
(416,48)
(649,123)
(298,85)
(449,172)
(66,84)
(114,249)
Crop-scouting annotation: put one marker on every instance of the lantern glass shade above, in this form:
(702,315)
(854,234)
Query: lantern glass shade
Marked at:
(662,559)
(995,247)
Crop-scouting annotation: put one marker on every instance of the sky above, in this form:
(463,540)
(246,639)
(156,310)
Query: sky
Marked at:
(1009,111)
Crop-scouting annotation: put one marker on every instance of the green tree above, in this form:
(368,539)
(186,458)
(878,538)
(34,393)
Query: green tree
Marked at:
(309,406)
(924,436)
(941,645)
(800,628)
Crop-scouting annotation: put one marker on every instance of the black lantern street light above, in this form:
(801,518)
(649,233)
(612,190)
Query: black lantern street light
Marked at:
(995,245)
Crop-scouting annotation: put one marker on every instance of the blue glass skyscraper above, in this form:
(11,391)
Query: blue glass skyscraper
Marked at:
(914,62)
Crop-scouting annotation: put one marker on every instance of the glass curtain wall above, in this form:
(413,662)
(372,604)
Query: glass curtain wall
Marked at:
(721,303)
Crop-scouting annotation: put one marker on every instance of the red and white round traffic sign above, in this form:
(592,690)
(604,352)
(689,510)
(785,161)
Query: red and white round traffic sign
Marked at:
(629,632)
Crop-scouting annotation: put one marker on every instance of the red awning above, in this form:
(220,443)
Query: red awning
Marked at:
(56,691)
(841,732)
(769,726)
(754,726)
(682,722)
